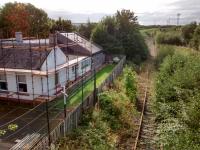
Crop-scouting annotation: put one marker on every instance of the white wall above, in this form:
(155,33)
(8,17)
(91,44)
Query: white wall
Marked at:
(99,59)
(39,84)
(60,59)
(12,85)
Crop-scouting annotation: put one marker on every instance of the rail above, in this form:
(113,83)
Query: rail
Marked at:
(142,116)
(141,119)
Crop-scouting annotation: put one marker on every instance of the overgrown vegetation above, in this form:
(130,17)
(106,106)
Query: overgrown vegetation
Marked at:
(163,52)
(111,125)
(186,35)
(173,38)
(120,34)
(177,101)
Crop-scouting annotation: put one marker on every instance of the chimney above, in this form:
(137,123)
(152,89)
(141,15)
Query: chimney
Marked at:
(52,39)
(18,36)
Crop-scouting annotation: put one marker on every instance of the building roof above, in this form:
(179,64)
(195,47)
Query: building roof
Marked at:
(21,58)
(16,55)
(81,41)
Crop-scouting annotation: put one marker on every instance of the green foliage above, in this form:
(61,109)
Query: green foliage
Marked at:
(86,30)
(61,25)
(31,21)
(130,83)
(192,113)
(103,127)
(23,17)
(195,41)
(177,101)
(119,34)
(110,113)
(101,36)
(172,37)
(188,31)
(163,52)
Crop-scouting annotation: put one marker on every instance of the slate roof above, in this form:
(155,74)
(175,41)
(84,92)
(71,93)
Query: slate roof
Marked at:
(21,58)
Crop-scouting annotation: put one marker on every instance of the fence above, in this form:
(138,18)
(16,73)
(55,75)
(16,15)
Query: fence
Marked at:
(73,118)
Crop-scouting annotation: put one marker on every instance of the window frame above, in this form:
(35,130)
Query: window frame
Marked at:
(85,63)
(4,81)
(19,82)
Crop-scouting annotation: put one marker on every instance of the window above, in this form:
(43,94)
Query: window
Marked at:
(85,63)
(21,83)
(3,83)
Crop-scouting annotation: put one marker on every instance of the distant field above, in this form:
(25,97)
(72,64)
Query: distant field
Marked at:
(147,32)
(182,49)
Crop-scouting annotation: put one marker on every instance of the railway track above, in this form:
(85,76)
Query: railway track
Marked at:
(146,128)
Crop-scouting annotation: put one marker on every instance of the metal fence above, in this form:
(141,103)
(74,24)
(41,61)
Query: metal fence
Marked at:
(38,142)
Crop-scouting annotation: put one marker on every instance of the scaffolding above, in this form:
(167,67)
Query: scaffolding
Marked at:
(46,111)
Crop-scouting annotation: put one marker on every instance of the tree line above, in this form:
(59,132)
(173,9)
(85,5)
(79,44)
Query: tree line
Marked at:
(30,20)
(117,34)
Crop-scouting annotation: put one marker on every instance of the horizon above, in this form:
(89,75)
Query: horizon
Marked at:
(160,13)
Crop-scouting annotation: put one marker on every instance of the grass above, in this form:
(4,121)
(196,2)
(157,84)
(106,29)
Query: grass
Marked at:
(88,87)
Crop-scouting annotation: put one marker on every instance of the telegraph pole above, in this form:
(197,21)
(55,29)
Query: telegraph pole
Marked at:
(178,18)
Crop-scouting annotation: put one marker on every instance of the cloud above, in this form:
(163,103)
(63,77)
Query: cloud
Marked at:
(189,10)
(77,17)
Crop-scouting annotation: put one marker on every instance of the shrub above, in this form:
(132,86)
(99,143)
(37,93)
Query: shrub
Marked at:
(188,31)
(177,101)
(103,127)
(130,83)
(195,41)
(173,38)
(163,52)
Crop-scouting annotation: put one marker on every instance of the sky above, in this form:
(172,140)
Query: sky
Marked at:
(149,12)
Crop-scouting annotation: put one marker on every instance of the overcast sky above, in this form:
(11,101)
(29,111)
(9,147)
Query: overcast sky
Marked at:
(148,11)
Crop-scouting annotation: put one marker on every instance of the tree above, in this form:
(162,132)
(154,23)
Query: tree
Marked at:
(120,34)
(195,42)
(126,20)
(38,21)
(61,25)
(23,17)
(188,31)
(86,30)
(15,18)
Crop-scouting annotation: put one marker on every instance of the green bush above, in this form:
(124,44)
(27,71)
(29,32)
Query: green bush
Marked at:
(177,102)
(173,38)
(130,83)
(163,52)
(103,127)
(195,41)
(188,31)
